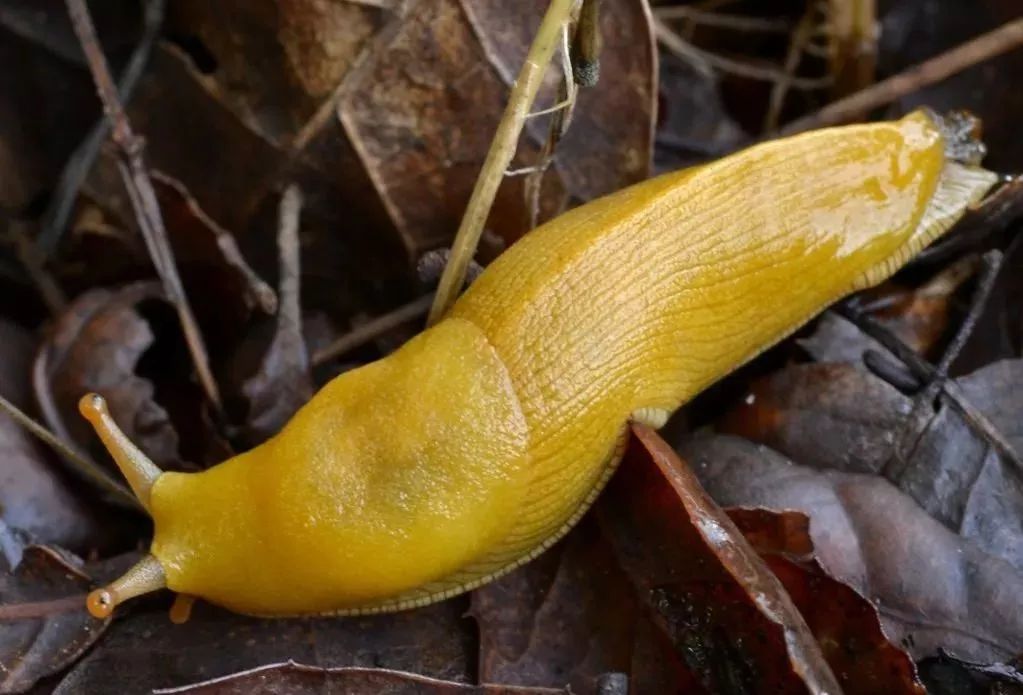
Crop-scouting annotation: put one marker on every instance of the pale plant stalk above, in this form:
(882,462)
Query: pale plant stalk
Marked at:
(502,150)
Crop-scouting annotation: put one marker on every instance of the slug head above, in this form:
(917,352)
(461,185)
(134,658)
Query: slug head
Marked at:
(393,477)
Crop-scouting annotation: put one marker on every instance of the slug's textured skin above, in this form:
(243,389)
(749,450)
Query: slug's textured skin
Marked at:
(482,440)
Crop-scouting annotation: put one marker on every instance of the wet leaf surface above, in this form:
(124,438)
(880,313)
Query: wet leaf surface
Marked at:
(705,586)
(932,588)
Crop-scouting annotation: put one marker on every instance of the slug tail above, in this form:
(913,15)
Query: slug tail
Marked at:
(960,186)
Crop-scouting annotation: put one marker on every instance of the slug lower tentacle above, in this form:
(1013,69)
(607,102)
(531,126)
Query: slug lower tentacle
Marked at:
(481,441)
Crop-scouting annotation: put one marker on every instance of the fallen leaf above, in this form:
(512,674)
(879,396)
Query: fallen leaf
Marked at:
(145,651)
(823,415)
(845,624)
(705,587)
(44,626)
(835,416)
(955,475)
(293,678)
(97,346)
(932,589)
(393,145)
(550,622)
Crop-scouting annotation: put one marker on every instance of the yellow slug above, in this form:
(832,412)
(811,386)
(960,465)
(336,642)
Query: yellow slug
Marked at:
(479,443)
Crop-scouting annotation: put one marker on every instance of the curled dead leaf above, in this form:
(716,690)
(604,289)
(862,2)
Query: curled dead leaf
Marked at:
(96,346)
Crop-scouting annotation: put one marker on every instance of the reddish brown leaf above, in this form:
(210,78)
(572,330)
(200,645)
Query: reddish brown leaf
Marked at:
(932,588)
(295,679)
(706,587)
(845,624)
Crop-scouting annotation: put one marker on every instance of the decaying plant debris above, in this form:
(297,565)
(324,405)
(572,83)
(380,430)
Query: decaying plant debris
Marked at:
(245,221)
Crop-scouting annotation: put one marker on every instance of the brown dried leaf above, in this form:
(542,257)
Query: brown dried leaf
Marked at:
(295,679)
(96,346)
(706,587)
(396,141)
(549,623)
(933,589)
(823,415)
(145,651)
(44,626)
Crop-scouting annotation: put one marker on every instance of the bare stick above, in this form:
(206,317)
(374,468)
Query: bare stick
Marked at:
(31,258)
(984,47)
(706,62)
(81,463)
(800,37)
(140,191)
(502,149)
(373,329)
(80,163)
(723,21)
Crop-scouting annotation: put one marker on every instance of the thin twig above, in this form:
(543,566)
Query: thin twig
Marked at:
(143,197)
(29,255)
(502,150)
(559,124)
(372,330)
(723,21)
(82,463)
(800,37)
(937,376)
(55,219)
(41,609)
(706,62)
(984,47)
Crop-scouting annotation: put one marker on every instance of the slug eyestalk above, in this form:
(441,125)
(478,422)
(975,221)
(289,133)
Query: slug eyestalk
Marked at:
(141,473)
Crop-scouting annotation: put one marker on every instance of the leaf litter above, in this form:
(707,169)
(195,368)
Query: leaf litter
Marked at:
(882,525)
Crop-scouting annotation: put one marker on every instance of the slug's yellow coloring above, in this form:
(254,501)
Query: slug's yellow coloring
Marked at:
(480,442)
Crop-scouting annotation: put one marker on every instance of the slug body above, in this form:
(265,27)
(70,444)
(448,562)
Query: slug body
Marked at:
(481,441)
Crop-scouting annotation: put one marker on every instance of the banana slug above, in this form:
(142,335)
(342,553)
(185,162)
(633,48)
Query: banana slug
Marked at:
(480,442)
